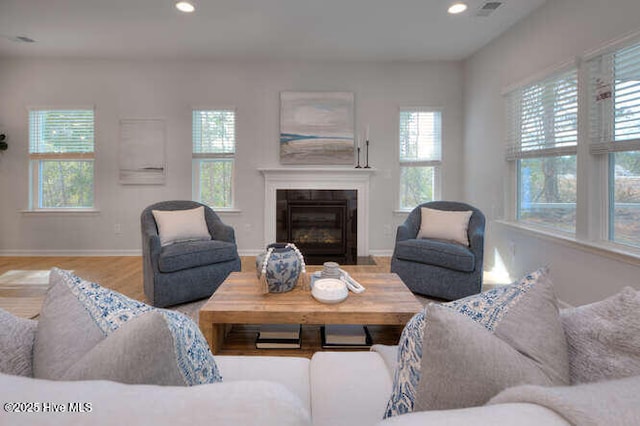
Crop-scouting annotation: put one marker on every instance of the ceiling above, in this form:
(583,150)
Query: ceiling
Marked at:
(362,30)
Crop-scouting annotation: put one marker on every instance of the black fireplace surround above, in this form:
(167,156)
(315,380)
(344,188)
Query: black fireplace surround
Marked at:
(321,223)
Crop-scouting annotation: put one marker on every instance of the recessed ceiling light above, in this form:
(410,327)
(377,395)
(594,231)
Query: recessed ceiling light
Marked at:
(185,6)
(457,8)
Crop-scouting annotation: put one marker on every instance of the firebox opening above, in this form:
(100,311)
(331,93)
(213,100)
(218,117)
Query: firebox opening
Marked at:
(321,223)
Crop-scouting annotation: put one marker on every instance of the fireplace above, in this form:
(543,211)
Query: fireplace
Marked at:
(321,223)
(317,179)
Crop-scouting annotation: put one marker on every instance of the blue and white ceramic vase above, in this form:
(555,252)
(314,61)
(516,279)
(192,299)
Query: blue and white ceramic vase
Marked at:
(280,267)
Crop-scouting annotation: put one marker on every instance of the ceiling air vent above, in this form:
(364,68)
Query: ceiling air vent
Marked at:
(488,8)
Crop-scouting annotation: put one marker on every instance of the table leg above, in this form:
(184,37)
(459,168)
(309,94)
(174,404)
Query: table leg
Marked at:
(214,333)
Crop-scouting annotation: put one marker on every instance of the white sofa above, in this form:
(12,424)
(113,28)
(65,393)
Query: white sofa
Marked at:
(333,388)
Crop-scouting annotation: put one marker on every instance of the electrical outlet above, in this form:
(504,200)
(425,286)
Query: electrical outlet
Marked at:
(117,229)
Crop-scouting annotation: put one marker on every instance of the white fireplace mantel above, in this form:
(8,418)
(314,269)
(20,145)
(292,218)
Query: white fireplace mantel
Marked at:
(317,178)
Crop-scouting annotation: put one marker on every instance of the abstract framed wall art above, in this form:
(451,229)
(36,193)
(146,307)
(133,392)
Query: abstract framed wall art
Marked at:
(316,128)
(141,156)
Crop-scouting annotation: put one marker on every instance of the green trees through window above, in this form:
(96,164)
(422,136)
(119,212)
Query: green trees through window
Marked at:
(214,147)
(543,136)
(61,158)
(66,184)
(420,156)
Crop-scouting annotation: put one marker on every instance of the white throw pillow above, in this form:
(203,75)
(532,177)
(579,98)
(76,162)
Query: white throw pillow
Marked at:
(445,225)
(181,225)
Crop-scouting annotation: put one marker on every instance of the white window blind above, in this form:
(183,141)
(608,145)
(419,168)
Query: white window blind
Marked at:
(420,136)
(542,118)
(61,158)
(61,131)
(214,132)
(214,147)
(614,101)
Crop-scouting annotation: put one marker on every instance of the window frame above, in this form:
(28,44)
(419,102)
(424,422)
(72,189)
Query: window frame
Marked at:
(593,197)
(603,141)
(436,165)
(198,158)
(516,151)
(35,161)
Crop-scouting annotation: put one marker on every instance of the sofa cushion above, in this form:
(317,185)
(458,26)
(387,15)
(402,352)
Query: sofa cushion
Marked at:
(445,225)
(86,331)
(389,354)
(181,225)
(493,415)
(16,344)
(348,388)
(228,404)
(604,338)
(437,253)
(292,372)
(191,254)
(523,314)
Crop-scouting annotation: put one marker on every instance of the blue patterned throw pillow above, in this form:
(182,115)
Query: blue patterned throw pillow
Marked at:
(488,309)
(102,334)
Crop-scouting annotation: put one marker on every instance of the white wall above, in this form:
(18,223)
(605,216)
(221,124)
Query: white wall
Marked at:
(169,89)
(558,31)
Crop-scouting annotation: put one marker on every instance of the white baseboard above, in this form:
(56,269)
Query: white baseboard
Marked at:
(250,252)
(386,253)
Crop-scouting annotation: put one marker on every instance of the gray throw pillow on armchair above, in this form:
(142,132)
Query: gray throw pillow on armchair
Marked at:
(89,332)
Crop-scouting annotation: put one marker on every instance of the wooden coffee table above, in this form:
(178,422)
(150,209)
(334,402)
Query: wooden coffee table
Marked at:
(239,300)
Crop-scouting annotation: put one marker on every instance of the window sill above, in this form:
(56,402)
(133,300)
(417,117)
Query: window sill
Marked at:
(401,212)
(227,211)
(607,249)
(61,212)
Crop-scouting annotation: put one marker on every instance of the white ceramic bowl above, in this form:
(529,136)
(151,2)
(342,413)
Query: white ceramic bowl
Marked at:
(329,290)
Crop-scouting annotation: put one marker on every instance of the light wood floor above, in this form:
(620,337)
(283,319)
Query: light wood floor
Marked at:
(124,273)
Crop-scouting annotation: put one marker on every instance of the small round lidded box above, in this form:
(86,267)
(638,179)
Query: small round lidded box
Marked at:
(329,290)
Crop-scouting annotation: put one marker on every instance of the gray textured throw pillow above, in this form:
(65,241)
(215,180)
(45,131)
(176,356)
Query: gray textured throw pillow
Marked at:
(523,314)
(140,349)
(89,332)
(604,338)
(16,344)
(465,365)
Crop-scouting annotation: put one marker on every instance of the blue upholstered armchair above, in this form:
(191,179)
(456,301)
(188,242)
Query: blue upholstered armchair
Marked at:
(190,270)
(437,268)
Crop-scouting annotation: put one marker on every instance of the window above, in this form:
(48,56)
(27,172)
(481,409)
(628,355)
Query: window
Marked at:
(420,156)
(542,138)
(214,147)
(614,104)
(61,158)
